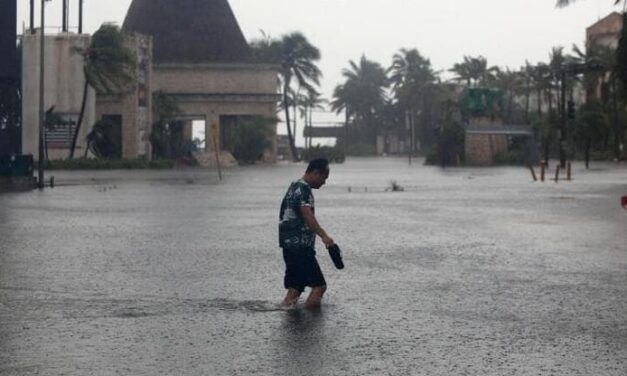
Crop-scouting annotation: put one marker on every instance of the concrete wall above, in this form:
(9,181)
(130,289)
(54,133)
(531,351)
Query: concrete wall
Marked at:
(64,81)
(605,32)
(208,91)
(215,78)
(481,148)
(134,106)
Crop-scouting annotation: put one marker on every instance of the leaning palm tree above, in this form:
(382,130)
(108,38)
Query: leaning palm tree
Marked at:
(296,58)
(109,67)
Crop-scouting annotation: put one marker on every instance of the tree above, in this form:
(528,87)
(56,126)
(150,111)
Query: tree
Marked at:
(591,128)
(565,3)
(312,101)
(109,67)
(474,70)
(165,110)
(363,96)
(297,59)
(413,82)
(511,82)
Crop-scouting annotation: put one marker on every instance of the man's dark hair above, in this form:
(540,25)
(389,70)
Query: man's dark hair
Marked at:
(321,164)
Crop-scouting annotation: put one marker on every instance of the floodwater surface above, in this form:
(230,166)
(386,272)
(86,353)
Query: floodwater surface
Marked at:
(474,271)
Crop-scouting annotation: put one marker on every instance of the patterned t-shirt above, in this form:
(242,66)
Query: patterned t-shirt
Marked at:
(293,231)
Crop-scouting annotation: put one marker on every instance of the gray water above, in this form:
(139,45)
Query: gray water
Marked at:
(467,272)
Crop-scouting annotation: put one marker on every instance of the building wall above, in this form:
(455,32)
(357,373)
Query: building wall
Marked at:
(606,32)
(215,78)
(210,111)
(480,149)
(208,91)
(134,106)
(64,82)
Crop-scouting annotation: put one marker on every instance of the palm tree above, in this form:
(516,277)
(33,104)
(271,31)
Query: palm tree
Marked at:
(474,70)
(413,80)
(565,3)
(312,101)
(109,67)
(510,82)
(297,60)
(362,95)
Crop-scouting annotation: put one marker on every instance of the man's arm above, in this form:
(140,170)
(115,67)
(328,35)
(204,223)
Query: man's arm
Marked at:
(312,223)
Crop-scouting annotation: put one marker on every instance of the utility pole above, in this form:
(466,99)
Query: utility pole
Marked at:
(64,22)
(80,16)
(408,124)
(42,115)
(32,16)
(562,138)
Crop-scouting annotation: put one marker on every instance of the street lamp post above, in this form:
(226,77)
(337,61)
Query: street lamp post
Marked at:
(42,115)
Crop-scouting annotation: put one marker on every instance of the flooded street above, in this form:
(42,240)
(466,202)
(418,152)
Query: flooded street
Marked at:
(474,271)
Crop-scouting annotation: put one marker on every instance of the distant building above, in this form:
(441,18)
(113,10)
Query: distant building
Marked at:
(190,50)
(606,31)
(64,82)
(201,58)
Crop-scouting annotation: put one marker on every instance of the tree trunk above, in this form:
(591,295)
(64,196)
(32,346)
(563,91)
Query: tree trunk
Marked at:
(80,119)
(287,122)
(295,109)
(587,154)
(616,126)
(539,100)
(527,97)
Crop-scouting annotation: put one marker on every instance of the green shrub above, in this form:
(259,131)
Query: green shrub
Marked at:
(250,138)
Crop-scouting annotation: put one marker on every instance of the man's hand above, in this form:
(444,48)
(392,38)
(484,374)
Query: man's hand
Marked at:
(328,241)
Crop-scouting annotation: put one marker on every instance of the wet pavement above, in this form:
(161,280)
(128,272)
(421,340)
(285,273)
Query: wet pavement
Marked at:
(475,271)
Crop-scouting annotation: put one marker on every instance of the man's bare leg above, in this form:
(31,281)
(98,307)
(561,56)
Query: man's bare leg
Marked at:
(315,297)
(291,297)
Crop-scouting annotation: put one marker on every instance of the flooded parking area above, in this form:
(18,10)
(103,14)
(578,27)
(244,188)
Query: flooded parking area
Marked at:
(473,271)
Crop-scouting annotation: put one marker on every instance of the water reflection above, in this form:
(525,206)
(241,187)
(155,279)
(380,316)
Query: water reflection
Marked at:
(302,342)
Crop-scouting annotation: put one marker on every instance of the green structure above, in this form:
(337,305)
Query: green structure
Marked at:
(482,102)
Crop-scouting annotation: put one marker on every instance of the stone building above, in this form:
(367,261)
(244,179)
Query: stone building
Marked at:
(64,82)
(131,112)
(201,59)
(606,31)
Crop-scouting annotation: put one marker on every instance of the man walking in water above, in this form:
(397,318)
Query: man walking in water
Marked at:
(298,228)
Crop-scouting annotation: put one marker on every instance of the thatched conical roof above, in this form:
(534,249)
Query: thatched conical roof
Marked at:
(190,31)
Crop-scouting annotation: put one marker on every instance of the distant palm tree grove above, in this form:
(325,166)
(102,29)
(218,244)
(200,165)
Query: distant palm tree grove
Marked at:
(579,92)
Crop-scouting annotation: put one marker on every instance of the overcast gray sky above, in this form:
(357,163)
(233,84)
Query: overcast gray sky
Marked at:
(506,32)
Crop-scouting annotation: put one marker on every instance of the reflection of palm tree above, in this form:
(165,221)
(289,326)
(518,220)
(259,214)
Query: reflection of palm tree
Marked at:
(108,67)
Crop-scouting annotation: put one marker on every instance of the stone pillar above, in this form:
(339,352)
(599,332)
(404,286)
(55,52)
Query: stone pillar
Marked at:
(188,132)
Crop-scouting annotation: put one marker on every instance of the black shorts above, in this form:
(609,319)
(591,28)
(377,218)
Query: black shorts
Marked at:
(302,269)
